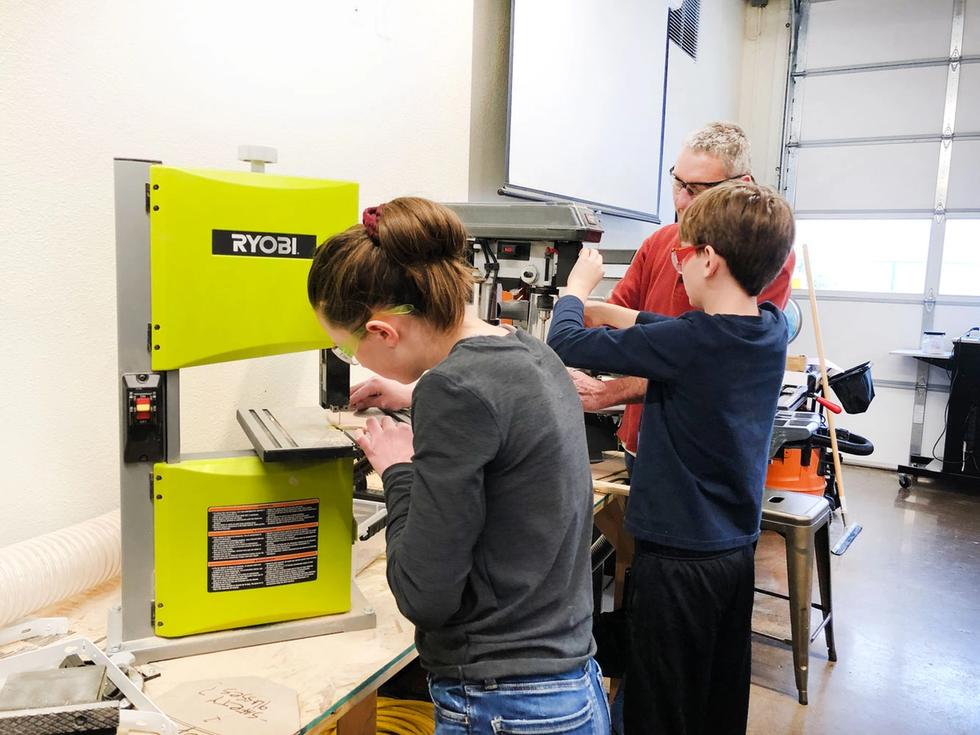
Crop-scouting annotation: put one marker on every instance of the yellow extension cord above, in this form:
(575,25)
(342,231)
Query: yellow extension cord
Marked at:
(402,717)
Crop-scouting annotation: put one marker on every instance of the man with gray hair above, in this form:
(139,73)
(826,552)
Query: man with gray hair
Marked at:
(716,153)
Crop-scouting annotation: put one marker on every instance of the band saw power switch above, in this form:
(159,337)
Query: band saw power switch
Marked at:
(143,405)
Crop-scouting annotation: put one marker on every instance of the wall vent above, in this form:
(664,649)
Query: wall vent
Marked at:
(682,26)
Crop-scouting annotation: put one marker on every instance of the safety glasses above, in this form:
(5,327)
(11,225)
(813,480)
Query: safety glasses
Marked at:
(677,259)
(347,350)
(697,187)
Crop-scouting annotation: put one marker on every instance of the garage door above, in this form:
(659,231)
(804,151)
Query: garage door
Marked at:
(881,161)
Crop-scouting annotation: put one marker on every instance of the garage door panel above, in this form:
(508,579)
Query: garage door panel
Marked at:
(855,332)
(884,256)
(961,258)
(955,320)
(964,175)
(889,177)
(873,104)
(971,28)
(968,99)
(888,424)
(850,32)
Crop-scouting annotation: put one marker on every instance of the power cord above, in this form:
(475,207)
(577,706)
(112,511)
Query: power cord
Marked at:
(402,717)
(951,376)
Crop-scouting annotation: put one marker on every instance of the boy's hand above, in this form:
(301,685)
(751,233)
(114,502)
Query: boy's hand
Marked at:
(586,274)
(385,442)
(604,314)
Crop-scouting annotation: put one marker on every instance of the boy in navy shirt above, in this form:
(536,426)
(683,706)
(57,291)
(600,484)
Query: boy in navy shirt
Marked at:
(696,490)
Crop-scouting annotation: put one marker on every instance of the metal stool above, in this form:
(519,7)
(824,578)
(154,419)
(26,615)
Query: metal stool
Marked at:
(803,521)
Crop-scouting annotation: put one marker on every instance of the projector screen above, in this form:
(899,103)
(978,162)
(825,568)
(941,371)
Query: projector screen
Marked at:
(586,108)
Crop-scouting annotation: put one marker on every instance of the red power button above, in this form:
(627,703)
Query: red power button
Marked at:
(143,408)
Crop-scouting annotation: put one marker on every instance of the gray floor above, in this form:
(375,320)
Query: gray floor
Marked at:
(907,620)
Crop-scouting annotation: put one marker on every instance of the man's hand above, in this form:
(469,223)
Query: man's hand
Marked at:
(586,274)
(591,392)
(385,442)
(381,393)
(599,394)
(594,314)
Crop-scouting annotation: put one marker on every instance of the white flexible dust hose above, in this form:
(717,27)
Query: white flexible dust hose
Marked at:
(57,565)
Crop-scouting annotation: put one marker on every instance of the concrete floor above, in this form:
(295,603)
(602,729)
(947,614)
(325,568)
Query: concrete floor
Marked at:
(907,619)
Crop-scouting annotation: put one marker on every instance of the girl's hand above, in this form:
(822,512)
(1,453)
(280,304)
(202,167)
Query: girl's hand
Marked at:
(586,274)
(381,393)
(385,442)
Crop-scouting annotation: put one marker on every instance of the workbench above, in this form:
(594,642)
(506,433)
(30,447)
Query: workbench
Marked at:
(336,677)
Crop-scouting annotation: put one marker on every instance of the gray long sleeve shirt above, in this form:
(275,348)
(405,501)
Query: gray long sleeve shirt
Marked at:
(489,526)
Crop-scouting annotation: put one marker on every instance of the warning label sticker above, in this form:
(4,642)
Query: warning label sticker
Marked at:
(262,545)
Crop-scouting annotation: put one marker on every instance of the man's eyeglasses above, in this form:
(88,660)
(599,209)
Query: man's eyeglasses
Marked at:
(697,187)
(348,349)
(678,260)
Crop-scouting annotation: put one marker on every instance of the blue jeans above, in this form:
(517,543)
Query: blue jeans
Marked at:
(570,704)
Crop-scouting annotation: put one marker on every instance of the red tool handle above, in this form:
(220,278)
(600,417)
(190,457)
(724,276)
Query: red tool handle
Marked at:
(829,405)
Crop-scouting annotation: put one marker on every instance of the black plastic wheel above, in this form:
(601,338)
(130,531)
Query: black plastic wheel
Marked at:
(904,481)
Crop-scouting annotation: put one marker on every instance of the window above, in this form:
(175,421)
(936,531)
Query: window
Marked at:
(961,258)
(877,255)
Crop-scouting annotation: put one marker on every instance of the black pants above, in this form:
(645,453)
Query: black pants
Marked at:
(690,621)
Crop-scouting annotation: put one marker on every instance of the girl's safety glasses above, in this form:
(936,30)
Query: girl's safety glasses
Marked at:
(347,350)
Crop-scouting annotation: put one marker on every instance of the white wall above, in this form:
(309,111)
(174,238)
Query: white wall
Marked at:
(765,60)
(403,97)
(697,92)
(376,91)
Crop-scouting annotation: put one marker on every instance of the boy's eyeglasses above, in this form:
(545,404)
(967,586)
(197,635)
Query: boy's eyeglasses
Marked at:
(348,349)
(697,187)
(678,260)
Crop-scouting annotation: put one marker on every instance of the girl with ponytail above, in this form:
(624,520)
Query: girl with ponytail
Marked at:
(489,500)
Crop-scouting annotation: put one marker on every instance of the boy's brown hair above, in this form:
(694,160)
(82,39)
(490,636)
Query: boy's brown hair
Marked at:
(748,225)
(409,251)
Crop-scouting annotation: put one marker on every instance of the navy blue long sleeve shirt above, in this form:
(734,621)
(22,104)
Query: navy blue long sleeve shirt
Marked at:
(714,381)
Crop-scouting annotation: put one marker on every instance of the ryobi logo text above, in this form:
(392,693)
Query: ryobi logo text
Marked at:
(262,244)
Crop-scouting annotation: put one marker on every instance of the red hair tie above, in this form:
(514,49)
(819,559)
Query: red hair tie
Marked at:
(370,221)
